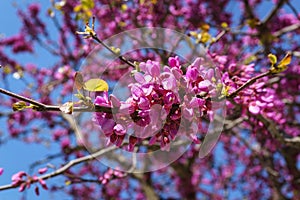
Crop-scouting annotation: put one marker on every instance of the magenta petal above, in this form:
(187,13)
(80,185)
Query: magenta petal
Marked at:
(155,69)
(43,170)
(253,108)
(139,77)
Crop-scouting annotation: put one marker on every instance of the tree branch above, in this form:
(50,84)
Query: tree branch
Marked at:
(248,83)
(293,9)
(274,11)
(287,29)
(147,188)
(44,107)
(66,167)
(122,58)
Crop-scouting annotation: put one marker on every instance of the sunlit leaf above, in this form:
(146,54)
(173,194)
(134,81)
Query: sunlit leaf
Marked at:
(18,106)
(59,5)
(193,34)
(224,25)
(116,50)
(7,69)
(79,96)
(205,37)
(283,64)
(96,85)
(88,4)
(50,12)
(124,7)
(68,182)
(204,27)
(253,22)
(272,58)
(250,59)
(286,60)
(77,8)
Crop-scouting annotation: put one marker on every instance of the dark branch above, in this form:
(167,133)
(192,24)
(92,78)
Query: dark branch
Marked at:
(66,167)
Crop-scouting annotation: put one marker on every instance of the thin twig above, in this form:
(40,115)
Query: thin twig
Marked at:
(66,167)
(44,107)
(293,9)
(122,58)
(287,29)
(248,83)
(274,11)
(8,93)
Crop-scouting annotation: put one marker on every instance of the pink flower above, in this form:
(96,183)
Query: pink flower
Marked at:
(34,10)
(37,191)
(43,183)
(174,62)
(168,81)
(43,170)
(17,178)
(103,100)
(254,108)
(119,129)
(192,73)
(65,143)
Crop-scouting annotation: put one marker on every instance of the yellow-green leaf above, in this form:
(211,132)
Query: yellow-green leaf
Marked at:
(193,34)
(79,96)
(50,12)
(89,4)
(124,7)
(225,90)
(224,25)
(253,22)
(96,85)
(283,64)
(250,59)
(18,106)
(205,37)
(77,8)
(116,50)
(59,5)
(205,27)
(286,60)
(68,182)
(272,58)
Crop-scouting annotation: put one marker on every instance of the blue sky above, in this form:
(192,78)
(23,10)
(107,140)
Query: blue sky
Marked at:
(15,155)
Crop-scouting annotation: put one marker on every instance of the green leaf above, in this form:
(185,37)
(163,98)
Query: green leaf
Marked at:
(96,85)
(272,58)
(79,96)
(88,4)
(117,51)
(18,106)
(286,60)
(283,64)
(250,59)
(68,182)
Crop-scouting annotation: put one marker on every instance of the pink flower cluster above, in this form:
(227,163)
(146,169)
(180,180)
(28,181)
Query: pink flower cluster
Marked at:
(162,105)
(23,180)
(110,174)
